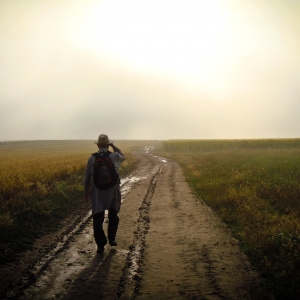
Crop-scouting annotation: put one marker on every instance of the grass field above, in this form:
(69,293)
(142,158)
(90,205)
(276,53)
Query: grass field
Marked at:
(41,183)
(254,185)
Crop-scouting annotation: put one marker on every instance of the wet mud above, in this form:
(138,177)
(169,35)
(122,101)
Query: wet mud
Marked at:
(130,280)
(170,246)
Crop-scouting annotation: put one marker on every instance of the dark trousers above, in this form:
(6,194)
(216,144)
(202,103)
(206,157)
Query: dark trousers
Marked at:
(113,222)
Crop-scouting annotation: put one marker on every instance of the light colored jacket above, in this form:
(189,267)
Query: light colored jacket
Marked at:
(103,199)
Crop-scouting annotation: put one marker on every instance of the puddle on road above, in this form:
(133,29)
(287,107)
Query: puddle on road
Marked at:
(147,149)
(134,257)
(128,183)
(126,186)
(162,159)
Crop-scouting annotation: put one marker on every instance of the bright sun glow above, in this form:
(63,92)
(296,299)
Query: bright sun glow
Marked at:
(200,43)
(174,35)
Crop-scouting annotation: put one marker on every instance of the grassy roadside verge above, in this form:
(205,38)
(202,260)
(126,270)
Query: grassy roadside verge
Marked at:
(40,187)
(256,192)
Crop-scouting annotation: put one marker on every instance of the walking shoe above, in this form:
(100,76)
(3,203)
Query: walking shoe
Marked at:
(113,243)
(100,249)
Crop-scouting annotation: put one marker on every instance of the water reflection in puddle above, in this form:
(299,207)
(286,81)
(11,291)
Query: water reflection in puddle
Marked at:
(126,186)
(128,182)
(161,159)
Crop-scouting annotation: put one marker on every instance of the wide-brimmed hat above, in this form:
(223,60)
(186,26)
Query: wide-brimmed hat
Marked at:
(103,139)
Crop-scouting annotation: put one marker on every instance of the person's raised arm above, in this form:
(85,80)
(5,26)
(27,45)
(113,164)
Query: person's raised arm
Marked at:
(116,149)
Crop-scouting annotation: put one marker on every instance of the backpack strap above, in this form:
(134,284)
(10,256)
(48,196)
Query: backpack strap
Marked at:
(106,153)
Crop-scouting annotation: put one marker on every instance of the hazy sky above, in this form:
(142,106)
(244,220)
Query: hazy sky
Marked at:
(72,69)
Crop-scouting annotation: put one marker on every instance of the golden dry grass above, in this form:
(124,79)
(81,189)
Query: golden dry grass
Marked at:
(40,182)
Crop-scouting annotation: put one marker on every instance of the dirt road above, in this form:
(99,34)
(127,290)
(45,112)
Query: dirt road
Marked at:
(170,246)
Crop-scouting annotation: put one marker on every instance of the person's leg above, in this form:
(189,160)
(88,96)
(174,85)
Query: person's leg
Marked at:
(113,222)
(99,234)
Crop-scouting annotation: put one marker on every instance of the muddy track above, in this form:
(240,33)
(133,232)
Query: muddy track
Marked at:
(170,246)
(130,280)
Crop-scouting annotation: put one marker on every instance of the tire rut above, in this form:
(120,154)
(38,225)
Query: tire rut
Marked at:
(130,280)
(34,271)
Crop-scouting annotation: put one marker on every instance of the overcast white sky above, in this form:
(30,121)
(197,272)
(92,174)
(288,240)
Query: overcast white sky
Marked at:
(72,69)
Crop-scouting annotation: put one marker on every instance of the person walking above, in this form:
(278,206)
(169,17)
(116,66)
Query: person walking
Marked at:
(104,197)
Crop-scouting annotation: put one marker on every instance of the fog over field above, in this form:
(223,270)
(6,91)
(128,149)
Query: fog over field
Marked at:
(71,69)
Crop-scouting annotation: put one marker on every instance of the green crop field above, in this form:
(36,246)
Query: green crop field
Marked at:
(41,183)
(254,186)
